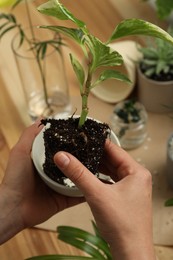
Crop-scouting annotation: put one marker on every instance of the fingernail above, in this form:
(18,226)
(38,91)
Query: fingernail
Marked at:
(62,159)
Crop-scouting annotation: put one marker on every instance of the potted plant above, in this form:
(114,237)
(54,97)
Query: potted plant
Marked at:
(39,60)
(97,54)
(155,75)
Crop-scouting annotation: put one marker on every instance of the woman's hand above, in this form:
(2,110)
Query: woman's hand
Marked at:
(123,211)
(25,200)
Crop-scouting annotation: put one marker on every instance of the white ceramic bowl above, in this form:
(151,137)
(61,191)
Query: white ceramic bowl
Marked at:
(38,157)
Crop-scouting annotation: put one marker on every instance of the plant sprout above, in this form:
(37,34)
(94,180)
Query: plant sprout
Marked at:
(97,53)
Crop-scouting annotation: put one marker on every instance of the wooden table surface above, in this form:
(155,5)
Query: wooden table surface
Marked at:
(101,16)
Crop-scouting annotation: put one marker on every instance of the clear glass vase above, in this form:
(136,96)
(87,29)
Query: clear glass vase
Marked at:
(43,80)
(130,127)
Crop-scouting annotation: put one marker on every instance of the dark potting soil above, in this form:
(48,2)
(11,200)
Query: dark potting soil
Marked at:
(85,143)
(158,77)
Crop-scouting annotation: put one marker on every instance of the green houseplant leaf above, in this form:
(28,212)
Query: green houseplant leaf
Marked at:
(75,34)
(111,74)
(136,27)
(61,257)
(92,244)
(102,54)
(56,9)
(89,243)
(78,69)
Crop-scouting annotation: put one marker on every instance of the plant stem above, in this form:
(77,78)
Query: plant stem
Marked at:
(84,96)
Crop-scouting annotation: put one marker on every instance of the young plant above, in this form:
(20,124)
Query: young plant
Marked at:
(157,59)
(97,53)
(38,48)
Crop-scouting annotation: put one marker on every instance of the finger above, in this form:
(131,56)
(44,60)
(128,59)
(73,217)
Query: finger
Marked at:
(117,162)
(77,173)
(26,140)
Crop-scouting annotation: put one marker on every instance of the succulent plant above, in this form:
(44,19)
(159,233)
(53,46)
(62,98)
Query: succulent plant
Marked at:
(157,59)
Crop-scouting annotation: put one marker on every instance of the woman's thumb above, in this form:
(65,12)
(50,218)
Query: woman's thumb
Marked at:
(77,172)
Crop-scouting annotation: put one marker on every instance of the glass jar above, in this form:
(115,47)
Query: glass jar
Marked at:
(43,80)
(129,123)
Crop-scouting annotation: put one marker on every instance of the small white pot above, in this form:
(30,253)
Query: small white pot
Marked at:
(156,96)
(38,156)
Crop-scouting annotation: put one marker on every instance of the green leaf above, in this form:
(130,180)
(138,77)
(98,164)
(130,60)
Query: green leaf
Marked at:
(83,240)
(56,9)
(138,26)
(16,3)
(160,66)
(9,25)
(150,53)
(150,62)
(82,245)
(4,25)
(96,231)
(106,246)
(7,29)
(149,72)
(111,74)
(78,69)
(22,36)
(75,34)
(43,51)
(60,257)
(169,202)
(166,69)
(102,54)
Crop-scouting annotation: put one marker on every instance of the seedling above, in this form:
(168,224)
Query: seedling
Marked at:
(157,59)
(97,53)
